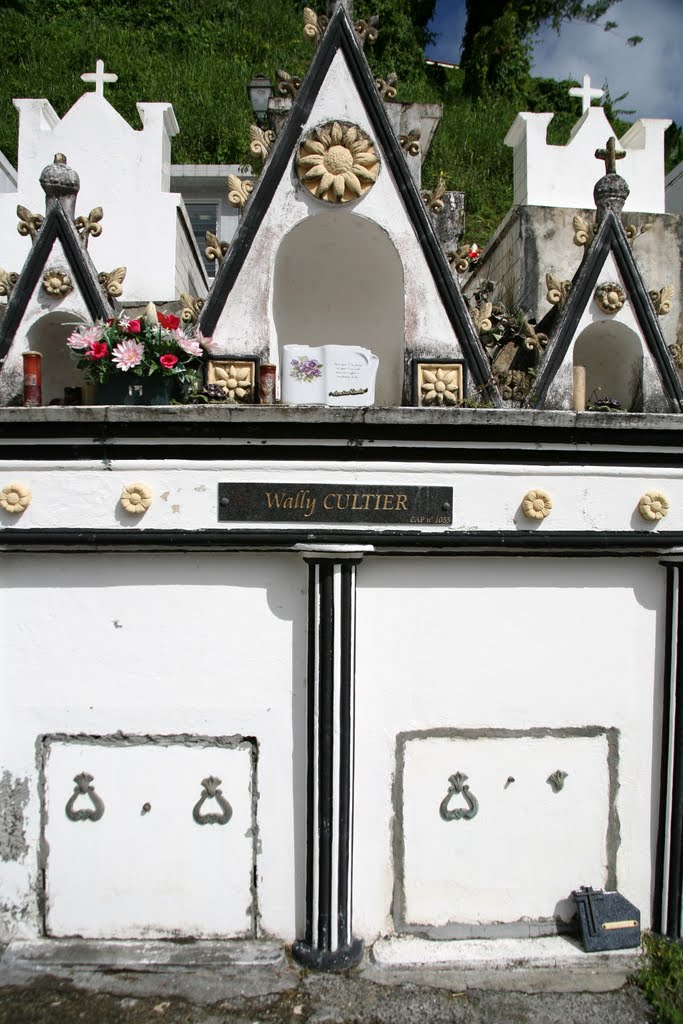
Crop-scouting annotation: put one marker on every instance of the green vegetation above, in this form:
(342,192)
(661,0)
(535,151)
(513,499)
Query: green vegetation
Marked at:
(201,59)
(660,977)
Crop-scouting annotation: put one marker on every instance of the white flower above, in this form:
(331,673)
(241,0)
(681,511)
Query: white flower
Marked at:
(189,345)
(77,341)
(127,354)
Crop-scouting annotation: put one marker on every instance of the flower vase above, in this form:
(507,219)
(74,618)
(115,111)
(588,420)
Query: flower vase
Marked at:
(119,389)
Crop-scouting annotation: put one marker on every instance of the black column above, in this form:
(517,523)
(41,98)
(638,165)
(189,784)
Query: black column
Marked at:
(669,865)
(329,944)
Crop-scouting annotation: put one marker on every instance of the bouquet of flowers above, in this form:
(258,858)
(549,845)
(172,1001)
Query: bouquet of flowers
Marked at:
(155,343)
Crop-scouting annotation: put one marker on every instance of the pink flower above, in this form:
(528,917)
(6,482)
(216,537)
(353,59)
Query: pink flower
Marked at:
(128,354)
(98,350)
(133,327)
(208,343)
(189,345)
(168,361)
(77,341)
(94,333)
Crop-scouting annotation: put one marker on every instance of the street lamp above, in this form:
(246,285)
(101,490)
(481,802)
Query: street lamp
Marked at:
(259,90)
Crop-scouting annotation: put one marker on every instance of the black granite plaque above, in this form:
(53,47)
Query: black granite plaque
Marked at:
(334,503)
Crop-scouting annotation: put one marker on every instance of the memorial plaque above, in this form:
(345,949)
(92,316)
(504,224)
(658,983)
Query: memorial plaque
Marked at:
(334,503)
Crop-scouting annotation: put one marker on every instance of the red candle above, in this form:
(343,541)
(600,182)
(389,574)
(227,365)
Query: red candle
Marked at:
(266,383)
(33,392)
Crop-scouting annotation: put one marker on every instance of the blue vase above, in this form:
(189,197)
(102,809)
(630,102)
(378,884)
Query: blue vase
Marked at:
(120,389)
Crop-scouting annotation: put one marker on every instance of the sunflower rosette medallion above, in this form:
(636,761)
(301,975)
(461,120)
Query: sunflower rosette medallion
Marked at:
(337,162)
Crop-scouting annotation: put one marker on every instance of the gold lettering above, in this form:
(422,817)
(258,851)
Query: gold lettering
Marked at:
(273,499)
(355,507)
(401,500)
(328,497)
(377,501)
(388,503)
(366,499)
(288,503)
(345,499)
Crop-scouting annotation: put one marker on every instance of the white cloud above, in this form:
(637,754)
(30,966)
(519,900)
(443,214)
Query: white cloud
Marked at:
(649,72)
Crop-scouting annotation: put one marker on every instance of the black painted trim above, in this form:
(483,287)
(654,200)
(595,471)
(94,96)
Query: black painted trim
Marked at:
(367,453)
(675,886)
(340,35)
(326,712)
(662,883)
(310,745)
(610,237)
(56,226)
(589,543)
(347,640)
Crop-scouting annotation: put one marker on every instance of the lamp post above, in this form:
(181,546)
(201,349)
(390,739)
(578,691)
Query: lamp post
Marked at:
(259,91)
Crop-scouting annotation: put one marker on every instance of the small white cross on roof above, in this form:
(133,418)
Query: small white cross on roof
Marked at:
(99,77)
(586,93)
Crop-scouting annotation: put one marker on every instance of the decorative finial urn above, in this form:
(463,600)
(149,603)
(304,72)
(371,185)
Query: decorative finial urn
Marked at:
(60,183)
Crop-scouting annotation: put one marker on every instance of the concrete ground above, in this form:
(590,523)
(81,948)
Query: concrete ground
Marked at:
(515,982)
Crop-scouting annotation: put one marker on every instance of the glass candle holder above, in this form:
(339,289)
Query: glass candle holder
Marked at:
(33,388)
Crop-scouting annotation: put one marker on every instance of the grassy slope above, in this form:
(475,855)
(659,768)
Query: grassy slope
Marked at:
(202,64)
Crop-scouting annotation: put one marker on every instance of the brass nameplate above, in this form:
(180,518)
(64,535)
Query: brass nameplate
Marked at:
(334,503)
(611,926)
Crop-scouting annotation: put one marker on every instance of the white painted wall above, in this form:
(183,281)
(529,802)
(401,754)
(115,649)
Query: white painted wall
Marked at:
(546,175)
(485,497)
(512,643)
(126,171)
(160,644)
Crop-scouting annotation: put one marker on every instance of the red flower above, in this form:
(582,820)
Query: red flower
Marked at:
(168,320)
(133,327)
(98,350)
(168,361)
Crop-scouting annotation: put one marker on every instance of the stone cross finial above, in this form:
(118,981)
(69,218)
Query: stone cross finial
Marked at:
(99,77)
(610,155)
(586,94)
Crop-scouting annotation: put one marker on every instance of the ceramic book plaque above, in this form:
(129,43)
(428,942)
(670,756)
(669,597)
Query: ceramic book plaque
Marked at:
(328,375)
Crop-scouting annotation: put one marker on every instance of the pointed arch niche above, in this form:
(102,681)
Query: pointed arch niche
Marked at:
(612,355)
(48,336)
(339,281)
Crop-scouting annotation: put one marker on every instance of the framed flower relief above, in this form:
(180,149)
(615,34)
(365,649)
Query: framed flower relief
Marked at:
(236,377)
(438,384)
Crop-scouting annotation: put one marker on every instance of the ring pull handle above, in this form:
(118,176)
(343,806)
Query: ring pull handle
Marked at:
(457,786)
(212,792)
(83,788)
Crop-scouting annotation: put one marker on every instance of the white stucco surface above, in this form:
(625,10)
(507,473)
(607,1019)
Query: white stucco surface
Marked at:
(156,872)
(124,170)
(157,645)
(474,644)
(547,175)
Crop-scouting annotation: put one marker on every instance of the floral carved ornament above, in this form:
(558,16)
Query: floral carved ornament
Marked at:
(337,162)
(15,498)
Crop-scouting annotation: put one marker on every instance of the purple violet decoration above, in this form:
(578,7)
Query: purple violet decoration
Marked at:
(305,370)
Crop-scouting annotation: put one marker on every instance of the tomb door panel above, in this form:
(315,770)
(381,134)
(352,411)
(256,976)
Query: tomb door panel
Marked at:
(153,839)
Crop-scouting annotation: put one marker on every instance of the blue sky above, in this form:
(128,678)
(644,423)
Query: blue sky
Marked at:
(650,73)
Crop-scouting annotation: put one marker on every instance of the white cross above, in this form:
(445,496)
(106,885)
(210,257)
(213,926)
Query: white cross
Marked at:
(99,77)
(586,93)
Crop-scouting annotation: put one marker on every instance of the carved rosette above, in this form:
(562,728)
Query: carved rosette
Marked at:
(537,504)
(337,162)
(15,498)
(653,506)
(136,498)
(610,297)
(57,283)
